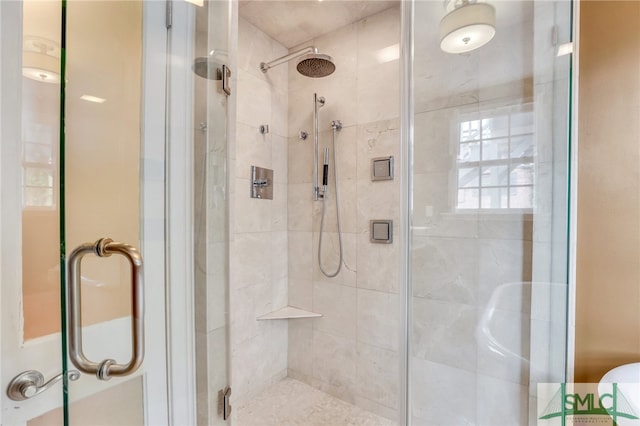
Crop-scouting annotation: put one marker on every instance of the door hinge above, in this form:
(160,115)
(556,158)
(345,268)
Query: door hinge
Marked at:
(225,400)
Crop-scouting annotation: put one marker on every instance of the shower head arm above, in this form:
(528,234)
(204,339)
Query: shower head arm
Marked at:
(265,66)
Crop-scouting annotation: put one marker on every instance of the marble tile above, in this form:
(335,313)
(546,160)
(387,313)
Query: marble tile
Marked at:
(334,362)
(291,403)
(253,45)
(389,414)
(253,149)
(279,207)
(279,269)
(277,76)
(347,143)
(501,262)
(300,207)
(301,256)
(506,64)
(300,294)
(444,332)
(434,207)
(331,258)
(259,361)
(279,124)
(347,189)
(509,226)
(378,319)
(247,304)
(376,139)
(441,79)
(300,351)
(435,147)
(217,357)
(217,286)
(301,111)
(300,160)
(257,216)
(378,85)
(445,268)
(279,158)
(443,395)
(254,100)
(338,305)
(377,200)
(504,345)
(245,249)
(378,375)
(501,403)
(377,265)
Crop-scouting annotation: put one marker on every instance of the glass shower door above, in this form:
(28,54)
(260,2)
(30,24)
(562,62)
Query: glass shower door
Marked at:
(111,227)
(82,160)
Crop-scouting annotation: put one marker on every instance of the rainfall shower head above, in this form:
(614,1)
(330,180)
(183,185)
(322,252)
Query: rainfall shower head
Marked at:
(313,63)
(316,65)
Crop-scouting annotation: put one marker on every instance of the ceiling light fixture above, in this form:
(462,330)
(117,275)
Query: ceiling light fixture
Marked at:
(41,59)
(468,26)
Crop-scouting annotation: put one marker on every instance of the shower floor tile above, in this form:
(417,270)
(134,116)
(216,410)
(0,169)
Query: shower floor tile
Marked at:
(293,403)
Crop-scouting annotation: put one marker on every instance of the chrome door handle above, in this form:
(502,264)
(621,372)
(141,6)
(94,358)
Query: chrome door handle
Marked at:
(107,368)
(30,383)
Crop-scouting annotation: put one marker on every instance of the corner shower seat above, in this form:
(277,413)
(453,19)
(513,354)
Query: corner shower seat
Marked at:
(289,312)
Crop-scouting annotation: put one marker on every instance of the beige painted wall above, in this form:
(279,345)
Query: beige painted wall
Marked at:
(608,252)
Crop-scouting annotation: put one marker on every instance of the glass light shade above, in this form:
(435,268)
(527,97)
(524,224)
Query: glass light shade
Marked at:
(467,28)
(41,67)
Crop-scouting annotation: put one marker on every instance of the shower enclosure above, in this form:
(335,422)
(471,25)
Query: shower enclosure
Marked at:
(450,237)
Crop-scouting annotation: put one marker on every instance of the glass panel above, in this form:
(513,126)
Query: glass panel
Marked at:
(38,153)
(117,406)
(40,215)
(522,146)
(102,149)
(210,212)
(495,127)
(469,130)
(496,149)
(522,123)
(495,176)
(469,151)
(521,174)
(102,146)
(468,177)
(521,197)
(484,295)
(494,198)
(38,197)
(468,198)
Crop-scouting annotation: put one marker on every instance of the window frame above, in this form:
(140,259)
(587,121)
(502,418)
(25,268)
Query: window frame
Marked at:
(489,112)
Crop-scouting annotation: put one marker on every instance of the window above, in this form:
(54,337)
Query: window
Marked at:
(495,164)
(38,167)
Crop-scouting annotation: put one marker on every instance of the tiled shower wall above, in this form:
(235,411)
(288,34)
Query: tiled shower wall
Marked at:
(352,351)
(259,246)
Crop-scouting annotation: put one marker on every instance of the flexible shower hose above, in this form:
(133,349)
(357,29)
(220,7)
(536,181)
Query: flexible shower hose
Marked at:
(324,208)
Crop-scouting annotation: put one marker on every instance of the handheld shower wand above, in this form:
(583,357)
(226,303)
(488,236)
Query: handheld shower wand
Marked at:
(325,172)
